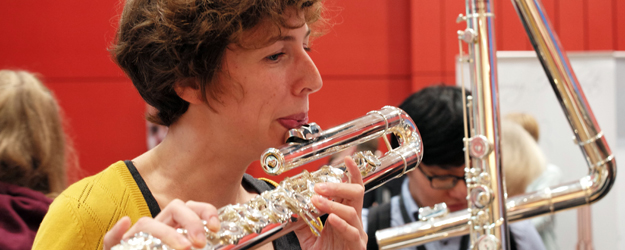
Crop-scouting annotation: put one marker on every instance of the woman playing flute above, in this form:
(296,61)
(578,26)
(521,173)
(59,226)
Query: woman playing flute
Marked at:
(229,78)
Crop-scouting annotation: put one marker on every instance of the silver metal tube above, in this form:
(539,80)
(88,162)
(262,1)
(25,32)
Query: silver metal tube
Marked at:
(520,207)
(421,232)
(287,207)
(588,135)
(373,125)
(485,124)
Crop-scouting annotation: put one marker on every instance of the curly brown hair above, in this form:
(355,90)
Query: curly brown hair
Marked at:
(161,43)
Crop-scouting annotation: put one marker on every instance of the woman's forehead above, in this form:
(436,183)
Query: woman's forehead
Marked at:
(267,31)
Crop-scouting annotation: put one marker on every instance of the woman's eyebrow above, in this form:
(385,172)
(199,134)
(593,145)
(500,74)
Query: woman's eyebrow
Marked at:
(292,38)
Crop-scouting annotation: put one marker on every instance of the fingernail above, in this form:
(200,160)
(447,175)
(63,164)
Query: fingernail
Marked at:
(200,237)
(320,200)
(214,224)
(321,187)
(184,242)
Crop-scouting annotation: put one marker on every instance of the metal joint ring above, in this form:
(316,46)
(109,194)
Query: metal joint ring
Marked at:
(405,163)
(383,116)
(591,140)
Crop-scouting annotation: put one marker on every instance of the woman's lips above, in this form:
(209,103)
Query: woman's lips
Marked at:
(294,121)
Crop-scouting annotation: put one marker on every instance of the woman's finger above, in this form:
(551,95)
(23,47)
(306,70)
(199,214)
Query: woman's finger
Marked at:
(350,192)
(207,212)
(345,212)
(352,237)
(353,171)
(178,214)
(160,230)
(116,234)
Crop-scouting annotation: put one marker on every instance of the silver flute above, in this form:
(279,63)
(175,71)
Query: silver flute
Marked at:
(279,211)
(588,135)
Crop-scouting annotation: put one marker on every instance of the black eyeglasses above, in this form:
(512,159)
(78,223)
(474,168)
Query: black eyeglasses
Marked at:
(442,182)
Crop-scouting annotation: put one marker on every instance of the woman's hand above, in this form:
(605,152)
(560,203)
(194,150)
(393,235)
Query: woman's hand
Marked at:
(343,228)
(176,214)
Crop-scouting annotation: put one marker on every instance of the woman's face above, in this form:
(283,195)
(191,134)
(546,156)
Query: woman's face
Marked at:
(268,90)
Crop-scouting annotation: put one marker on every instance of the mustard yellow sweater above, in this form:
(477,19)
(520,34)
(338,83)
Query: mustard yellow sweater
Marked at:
(81,215)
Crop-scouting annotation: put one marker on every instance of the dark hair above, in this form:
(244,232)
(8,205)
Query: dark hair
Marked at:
(437,112)
(161,43)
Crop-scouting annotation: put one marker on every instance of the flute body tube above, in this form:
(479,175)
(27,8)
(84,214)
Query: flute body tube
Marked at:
(277,212)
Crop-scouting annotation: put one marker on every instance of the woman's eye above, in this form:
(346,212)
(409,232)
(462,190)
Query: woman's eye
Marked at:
(275,57)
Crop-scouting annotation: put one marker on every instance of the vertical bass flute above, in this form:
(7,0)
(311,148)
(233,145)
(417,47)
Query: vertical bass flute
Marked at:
(587,134)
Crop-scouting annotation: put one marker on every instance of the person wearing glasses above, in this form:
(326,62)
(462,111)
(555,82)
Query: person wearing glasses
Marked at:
(437,112)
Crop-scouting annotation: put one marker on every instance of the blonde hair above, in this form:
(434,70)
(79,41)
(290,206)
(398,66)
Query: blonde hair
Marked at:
(522,160)
(527,121)
(32,142)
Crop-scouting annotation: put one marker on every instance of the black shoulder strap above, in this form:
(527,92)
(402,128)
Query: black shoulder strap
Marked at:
(379,218)
(258,185)
(155,209)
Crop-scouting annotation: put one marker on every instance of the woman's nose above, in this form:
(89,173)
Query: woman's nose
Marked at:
(309,80)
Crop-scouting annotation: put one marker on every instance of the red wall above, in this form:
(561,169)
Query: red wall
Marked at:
(376,54)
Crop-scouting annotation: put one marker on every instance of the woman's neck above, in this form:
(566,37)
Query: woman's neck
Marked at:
(188,166)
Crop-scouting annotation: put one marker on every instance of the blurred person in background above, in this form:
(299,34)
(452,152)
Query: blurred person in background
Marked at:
(33,152)
(438,113)
(521,158)
(550,176)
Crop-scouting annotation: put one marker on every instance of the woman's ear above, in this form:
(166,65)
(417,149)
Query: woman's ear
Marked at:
(189,90)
